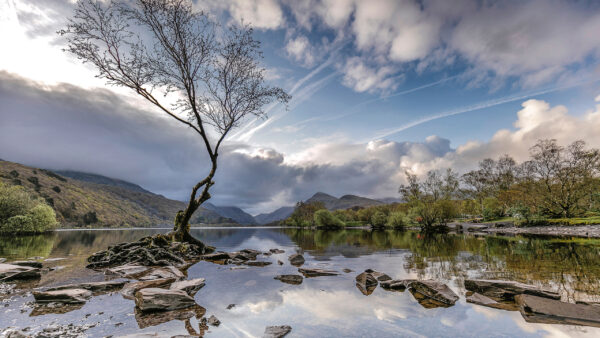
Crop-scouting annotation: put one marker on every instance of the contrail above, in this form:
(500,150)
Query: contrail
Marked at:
(482,105)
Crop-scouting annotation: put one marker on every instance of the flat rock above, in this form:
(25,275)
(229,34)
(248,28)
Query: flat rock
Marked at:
(296,259)
(276,251)
(190,286)
(308,272)
(213,321)
(435,290)
(155,299)
(147,319)
(93,286)
(380,276)
(290,279)
(66,296)
(506,290)
(32,264)
(366,283)
(130,289)
(10,272)
(56,259)
(277,331)
(397,284)
(127,270)
(482,300)
(544,310)
(258,263)
(164,272)
(217,256)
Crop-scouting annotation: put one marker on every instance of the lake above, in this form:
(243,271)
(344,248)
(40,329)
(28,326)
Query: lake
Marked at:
(329,306)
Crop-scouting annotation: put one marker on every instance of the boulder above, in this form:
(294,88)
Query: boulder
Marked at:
(276,251)
(397,284)
(2,260)
(130,289)
(127,270)
(146,319)
(10,272)
(164,272)
(277,331)
(544,310)
(308,272)
(290,279)
(93,286)
(479,299)
(296,259)
(32,264)
(155,299)
(437,291)
(190,286)
(213,321)
(506,290)
(258,263)
(66,296)
(380,276)
(366,283)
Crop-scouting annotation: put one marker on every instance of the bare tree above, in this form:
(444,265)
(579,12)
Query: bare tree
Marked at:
(166,47)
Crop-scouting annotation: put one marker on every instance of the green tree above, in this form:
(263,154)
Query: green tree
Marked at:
(325,219)
(379,219)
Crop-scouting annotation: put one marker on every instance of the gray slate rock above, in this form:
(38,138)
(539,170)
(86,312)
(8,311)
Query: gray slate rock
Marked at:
(277,331)
(366,283)
(155,299)
(544,310)
(67,296)
(507,290)
(93,286)
(313,272)
(482,300)
(435,290)
(164,272)
(380,276)
(127,270)
(191,286)
(258,263)
(130,289)
(213,321)
(10,272)
(397,284)
(290,279)
(32,264)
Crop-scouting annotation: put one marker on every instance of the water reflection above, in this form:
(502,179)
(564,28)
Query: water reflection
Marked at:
(330,306)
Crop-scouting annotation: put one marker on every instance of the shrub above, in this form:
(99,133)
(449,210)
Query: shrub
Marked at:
(20,213)
(90,218)
(378,220)
(42,217)
(324,218)
(396,219)
(56,188)
(491,209)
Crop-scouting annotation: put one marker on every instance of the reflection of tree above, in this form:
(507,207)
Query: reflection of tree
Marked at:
(570,265)
(27,246)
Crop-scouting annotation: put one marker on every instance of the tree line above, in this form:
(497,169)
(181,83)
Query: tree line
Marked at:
(555,185)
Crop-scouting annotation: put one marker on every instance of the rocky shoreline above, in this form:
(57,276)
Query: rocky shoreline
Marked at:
(584,231)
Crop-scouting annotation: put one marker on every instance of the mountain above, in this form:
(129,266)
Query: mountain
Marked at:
(99,201)
(235,213)
(277,215)
(344,202)
(390,200)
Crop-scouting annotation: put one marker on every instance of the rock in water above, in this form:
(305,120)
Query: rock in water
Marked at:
(165,272)
(276,251)
(544,310)
(258,263)
(127,270)
(217,256)
(366,283)
(10,272)
(478,299)
(93,286)
(154,299)
(277,331)
(437,291)
(32,264)
(189,286)
(397,284)
(67,296)
(307,272)
(213,321)
(380,276)
(130,289)
(506,290)
(296,259)
(290,279)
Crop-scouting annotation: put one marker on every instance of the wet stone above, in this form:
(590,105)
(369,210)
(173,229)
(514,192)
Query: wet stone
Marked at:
(213,321)
(67,296)
(290,279)
(127,270)
(396,284)
(191,287)
(10,272)
(32,264)
(130,289)
(164,272)
(482,300)
(277,331)
(92,286)
(154,299)
(277,251)
(258,263)
(544,310)
(296,259)
(506,290)
(435,290)
(314,272)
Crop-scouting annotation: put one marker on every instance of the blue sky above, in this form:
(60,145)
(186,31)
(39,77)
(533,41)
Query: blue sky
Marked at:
(379,87)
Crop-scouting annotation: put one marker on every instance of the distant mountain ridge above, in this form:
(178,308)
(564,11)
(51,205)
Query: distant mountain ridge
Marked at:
(235,213)
(344,202)
(274,216)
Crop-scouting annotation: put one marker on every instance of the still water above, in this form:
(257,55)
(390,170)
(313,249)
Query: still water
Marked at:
(329,306)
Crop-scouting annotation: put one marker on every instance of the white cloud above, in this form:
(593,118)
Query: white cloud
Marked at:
(261,14)
(364,78)
(300,50)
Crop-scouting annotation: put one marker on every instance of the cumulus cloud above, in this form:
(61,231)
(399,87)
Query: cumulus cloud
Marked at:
(362,77)
(261,14)
(300,50)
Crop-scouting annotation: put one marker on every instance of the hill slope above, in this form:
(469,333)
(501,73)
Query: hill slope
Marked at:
(277,215)
(344,202)
(87,202)
(235,213)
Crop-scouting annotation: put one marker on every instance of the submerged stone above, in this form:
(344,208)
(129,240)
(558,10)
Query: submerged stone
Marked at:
(296,259)
(290,279)
(482,300)
(164,272)
(213,321)
(10,272)
(366,283)
(147,319)
(130,289)
(277,331)
(191,286)
(258,263)
(314,272)
(127,270)
(435,290)
(397,284)
(92,286)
